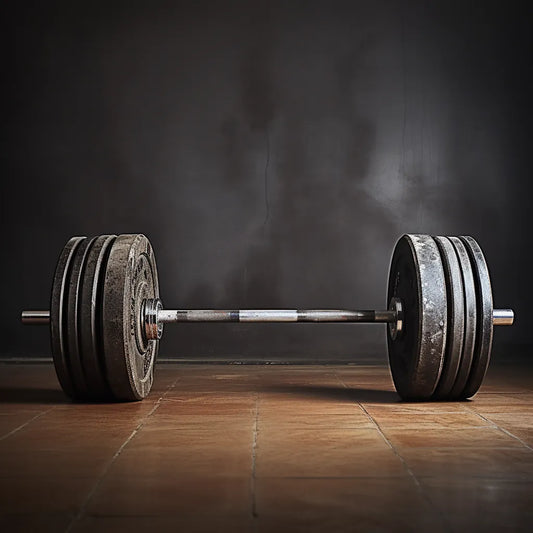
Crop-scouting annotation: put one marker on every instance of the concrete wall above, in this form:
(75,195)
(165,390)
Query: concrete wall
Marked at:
(272,151)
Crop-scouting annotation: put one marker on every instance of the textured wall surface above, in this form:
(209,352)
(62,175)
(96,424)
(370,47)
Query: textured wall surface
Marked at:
(273,152)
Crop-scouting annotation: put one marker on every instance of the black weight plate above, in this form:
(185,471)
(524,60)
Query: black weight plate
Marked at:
(470,319)
(74,319)
(90,332)
(456,318)
(59,314)
(131,276)
(484,317)
(416,355)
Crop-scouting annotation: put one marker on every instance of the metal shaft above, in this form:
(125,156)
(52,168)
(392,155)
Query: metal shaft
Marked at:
(500,317)
(35,317)
(503,317)
(273,315)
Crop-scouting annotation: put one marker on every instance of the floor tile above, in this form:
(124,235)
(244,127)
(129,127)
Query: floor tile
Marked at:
(419,421)
(401,409)
(39,522)
(20,495)
(171,494)
(266,448)
(187,452)
(482,504)
(357,504)
(187,420)
(325,453)
(85,461)
(450,463)
(191,523)
(481,437)
(12,421)
(318,421)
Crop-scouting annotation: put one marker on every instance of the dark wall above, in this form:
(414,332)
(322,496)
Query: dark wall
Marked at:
(272,151)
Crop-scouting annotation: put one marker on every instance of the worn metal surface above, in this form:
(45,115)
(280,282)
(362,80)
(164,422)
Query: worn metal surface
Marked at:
(35,317)
(59,315)
(153,327)
(416,277)
(396,326)
(502,317)
(470,328)
(131,277)
(74,318)
(90,319)
(274,315)
(484,327)
(456,318)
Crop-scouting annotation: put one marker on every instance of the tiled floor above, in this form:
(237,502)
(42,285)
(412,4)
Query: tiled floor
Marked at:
(266,448)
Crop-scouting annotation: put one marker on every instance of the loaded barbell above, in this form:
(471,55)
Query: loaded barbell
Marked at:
(106,317)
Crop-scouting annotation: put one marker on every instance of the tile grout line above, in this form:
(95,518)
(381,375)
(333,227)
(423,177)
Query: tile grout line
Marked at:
(503,430)
(98,482)
(406,467)
(22,426)
(380,431)
(254,446)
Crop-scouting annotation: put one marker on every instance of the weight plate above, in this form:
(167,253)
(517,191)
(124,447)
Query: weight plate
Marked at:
(470,320)
(131,276)
(416,355)
(90,328)
(59,315)
(74,319)
(484,328)
(456,318)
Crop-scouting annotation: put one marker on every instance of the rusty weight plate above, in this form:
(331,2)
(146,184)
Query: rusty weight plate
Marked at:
(469,341)
(90,319)
(74,318)
(484,326)
(417,355)
(59,315)
(456,318)
(131,276)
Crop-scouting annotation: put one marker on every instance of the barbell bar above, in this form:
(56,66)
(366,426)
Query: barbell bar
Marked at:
(500,317)
(106,317)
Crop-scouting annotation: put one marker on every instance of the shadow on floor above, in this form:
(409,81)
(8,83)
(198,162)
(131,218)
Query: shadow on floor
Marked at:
(37,396)
(351,394)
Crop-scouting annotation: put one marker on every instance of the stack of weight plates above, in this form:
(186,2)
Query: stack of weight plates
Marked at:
(99,350)
(444,348)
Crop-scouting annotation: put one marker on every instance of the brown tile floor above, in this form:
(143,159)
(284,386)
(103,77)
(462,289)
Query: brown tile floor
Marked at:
(266,448)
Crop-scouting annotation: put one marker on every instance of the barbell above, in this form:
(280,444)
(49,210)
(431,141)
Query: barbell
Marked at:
(106,317)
